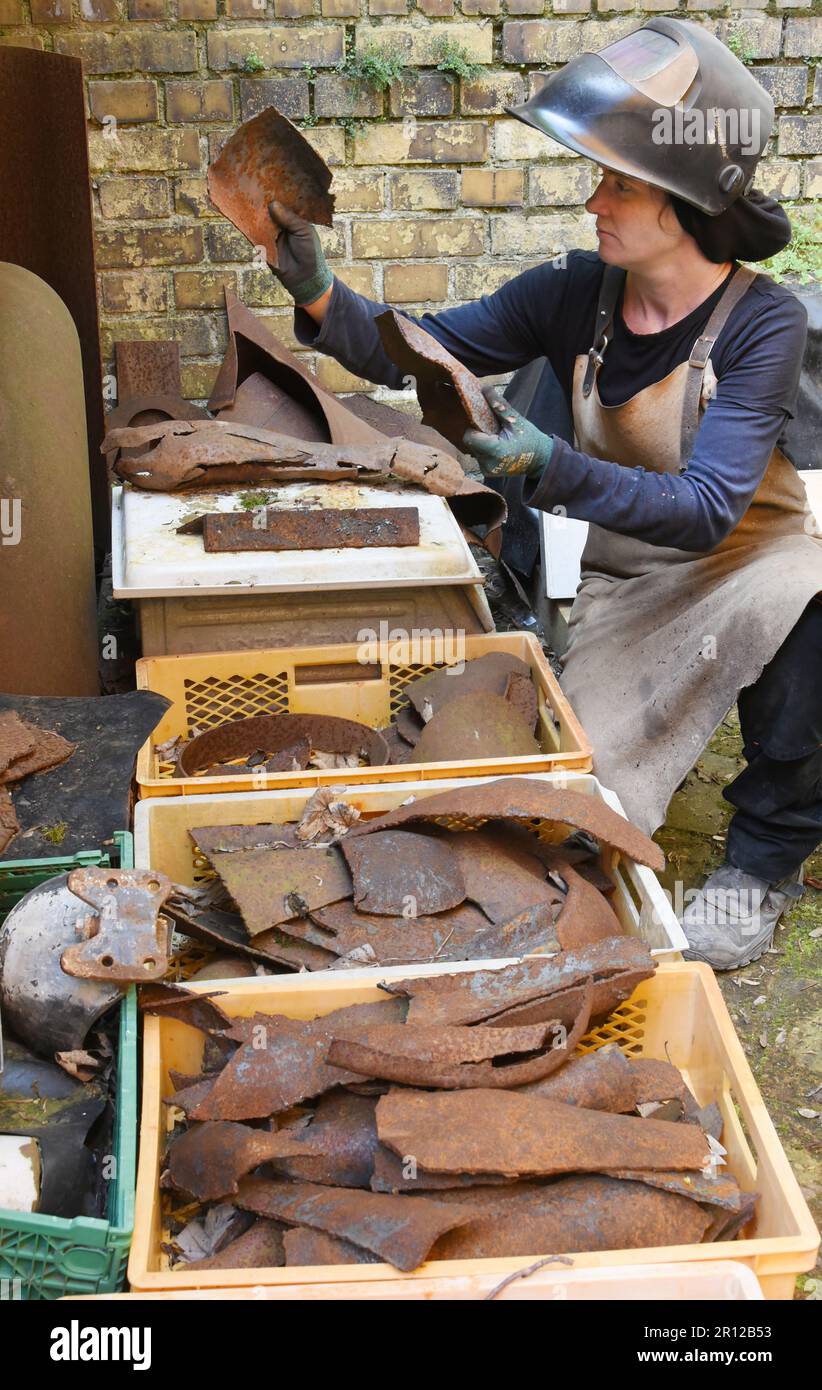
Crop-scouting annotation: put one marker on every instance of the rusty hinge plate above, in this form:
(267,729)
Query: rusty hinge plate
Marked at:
(126,940)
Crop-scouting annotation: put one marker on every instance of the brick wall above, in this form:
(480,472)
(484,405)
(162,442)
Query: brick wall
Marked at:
(440,195)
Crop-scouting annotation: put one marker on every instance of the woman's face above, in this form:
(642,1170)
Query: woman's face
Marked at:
(636,223)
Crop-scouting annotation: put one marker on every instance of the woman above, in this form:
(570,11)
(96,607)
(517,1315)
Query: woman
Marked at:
(701,571)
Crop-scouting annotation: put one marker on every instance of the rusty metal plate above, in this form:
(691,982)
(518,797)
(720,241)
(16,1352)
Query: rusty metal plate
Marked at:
(338,1145)
(399,1231)
(585,1213)
(395,1174)
(16,739)
(267,159)
(399,751)
(409,726)
(487,674)
(305,1247)
(260,402)
(601,1080)
(269,886)
(240,738)
(451,935)
(475,726)
(198,1010)
(496,1131)
(225,931)
(721,1191)
(25,748)
(9,824)
(586,917)
(480,995)
(260,1247)
(501,878)
(126,939)
(520,799)
(322,528)
(147,368)
(532,933)
(396,873)
(657,1081)
(521,692)
(208,1161)
(224,839)
(450,396)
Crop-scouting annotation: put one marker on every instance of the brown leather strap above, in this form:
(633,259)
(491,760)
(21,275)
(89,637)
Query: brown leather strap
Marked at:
(612,281)
(698,360)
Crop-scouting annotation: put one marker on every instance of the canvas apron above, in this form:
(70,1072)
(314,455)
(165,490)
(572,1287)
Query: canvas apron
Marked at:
(662,640)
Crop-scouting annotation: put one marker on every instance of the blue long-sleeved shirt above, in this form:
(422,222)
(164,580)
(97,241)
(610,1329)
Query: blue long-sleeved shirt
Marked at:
(549,311)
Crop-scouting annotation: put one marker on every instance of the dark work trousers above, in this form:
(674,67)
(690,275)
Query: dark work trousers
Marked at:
(778,796)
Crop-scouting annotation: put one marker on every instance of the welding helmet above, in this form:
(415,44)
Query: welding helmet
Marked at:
(669,104)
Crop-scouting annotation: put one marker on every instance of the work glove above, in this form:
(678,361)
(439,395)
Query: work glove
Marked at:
(519,448)
(302,267)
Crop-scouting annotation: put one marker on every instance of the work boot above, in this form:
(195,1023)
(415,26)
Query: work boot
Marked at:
(732,920)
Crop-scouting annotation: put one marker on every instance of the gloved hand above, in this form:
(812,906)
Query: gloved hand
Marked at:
(519,448)
(302,266)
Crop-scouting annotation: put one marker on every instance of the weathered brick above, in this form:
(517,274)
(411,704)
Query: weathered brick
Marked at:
(786,83)
(598,33)
(817,88)
(340,9)
(388,6)
(197,9)
(402,238)
(198,379)
(436,9)
(126,198)
(50,11)
(800,135)
(513,140)
(141,151)
(355,191)
(147,9)
(359,278)
(567,6)
(226,243)
(478,278)
(21,38)
(420,43)
(813,178)
(332,241)
(491,93)
(490,188)
(134,292)
(203,289)
(281,325)
(132,247)
(339,96)
(293,9)
(261,289)
(418,192)
(194,332)
(446,142)
(335,378)
(478,7)
(541,41)
(557,185)
(245,9)
(191,198)
(329,142)
(127,102)
(758,36)
(803,38)
(779,178)
(288,94)
(100,11)
(278,47)
(199,101)
(135,51)
(11,12)
(528,6)
(514,235)
(415,284)
(426,94)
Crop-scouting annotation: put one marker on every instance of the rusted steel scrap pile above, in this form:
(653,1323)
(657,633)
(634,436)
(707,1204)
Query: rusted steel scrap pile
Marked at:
(459,875)
(449,1120)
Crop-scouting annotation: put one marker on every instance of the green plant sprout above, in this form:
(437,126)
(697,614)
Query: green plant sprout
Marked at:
(377,68)
(453,58)
(801,259)
(252,62)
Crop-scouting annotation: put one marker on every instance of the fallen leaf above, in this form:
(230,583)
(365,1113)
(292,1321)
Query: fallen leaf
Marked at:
(781,1036)
(760,999)
(816,933)
(206,1235)
(763,1039)
(325,761)
(806,1113)
(325,813)
(80,1064)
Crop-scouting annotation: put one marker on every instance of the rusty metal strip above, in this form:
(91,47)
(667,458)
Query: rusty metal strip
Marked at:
(397,1230)
(224,839)
(602,1080)
(477,725)
(487,1131)
(269,886)
(520,799)
(260,1247)
(127,940)
(398,872)
(196,1009)
(240,738)
(721,1191)
(321,528)
(450,396)
(208,1161)
(338,1145)
(395,1174)
(488,675)
(306,1247)
(532,933)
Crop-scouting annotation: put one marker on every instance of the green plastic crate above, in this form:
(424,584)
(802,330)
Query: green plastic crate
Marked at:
(48,1256)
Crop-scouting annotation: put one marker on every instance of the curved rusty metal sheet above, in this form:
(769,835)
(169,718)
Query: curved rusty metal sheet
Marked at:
(450,396)
(393,1174)
(269,886)
(239,738)
(601,1080)
(488,674)
(503,879)
(338,1145)
(453,935)
(476,725)
(303,1246)
(260,1247)
(396,872)
(586,916)
(208,1160)
(268,159)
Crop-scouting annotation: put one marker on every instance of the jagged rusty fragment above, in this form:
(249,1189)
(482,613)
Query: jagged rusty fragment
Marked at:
(267,159)
(269,886)
(532,933)
(323,528)
(478,996)
(25,748)
(399,750)
(397,1230)
(281,1062)
(487,675)
(305,1247)
(728,1225)
(338,1145)
(501,878)
(520,691)
(586,916)
(283,949)
(197,1009)
(657,1081)
(403,872)
(258,401)
(188,1097)
(208,1160)
(601,1080)
(409,725)
(128,941)
(520,799)
(721,1191)
(224,839)
(239,738)
(260,1247)
(477,725)
(16,739)
(452,935)
(395,1174)
(450,396)
(580,1213)
(496,1131)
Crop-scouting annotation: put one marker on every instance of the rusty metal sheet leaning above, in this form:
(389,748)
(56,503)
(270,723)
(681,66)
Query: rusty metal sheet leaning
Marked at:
(239,738)
(303,1246)
(586,916)
(260,1247)
(322,528)
(488,674)
(208,1160)
(520,799)
(267,159)
(601,1080)
(403,872)
(496,1131)
(261,403)
(338,1145)
(476,725)
(450,396)
(399,1231)
(580,1213)
(269,886)
(409,725)
(502,879)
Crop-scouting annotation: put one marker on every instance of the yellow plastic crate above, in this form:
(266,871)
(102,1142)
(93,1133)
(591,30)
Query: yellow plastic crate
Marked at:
(209,689)
(679,1015)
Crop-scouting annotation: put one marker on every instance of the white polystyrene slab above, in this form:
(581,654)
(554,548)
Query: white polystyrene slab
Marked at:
(149,560)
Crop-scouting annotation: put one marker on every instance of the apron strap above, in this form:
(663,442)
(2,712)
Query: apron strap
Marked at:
(612,282)
(700,353)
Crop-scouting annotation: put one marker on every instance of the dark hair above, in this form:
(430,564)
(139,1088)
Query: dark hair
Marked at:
(751,229)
